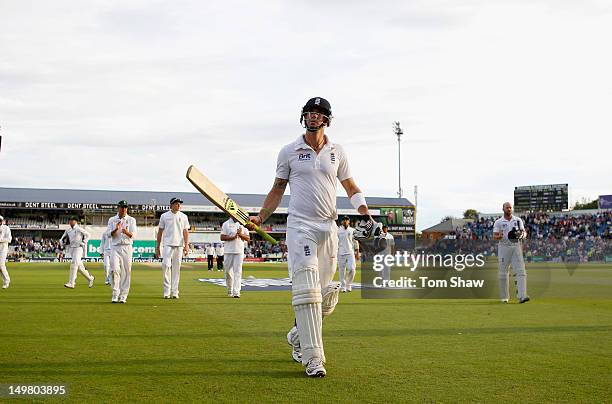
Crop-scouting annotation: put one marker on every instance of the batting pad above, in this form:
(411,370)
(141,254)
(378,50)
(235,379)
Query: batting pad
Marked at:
(307,307)
(330,298)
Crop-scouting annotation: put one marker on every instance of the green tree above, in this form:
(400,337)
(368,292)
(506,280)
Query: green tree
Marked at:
(584,203)
(470,214)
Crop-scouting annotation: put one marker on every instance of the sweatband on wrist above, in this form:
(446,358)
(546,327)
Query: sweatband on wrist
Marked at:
(358,200)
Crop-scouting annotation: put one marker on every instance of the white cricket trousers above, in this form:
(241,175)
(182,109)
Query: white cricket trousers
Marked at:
(346,266)
(121,265)
(172,257)
(77,264)
(511,256)
(6,279)
(108,275)
(312,248)
(233,272)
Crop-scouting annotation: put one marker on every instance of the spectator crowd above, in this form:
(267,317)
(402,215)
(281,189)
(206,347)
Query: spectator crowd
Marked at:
(557,238)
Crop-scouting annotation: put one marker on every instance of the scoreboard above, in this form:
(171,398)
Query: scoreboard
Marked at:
(541,198)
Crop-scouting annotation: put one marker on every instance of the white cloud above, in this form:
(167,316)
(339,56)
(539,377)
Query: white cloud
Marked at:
(491,94)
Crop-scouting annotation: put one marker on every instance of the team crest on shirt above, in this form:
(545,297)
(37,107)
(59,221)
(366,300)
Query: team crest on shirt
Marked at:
(306,250)
(304,157)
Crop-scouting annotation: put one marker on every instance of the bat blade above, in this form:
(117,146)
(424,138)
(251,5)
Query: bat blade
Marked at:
(207,188)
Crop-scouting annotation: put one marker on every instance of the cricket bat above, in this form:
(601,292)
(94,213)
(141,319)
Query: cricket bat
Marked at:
(222,201)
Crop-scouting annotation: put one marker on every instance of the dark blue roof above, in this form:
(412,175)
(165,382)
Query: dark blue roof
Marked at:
(161,198)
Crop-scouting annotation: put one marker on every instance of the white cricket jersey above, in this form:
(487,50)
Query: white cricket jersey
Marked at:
(105,243)
(219,251)
(312,179)
(230,228)
(173,225)
(77,235)
(390,243)
(5,234)
(128,223)
(210,250)
(345,241)
(503,225)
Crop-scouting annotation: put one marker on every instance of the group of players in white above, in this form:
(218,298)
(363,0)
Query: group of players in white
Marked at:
(311,165)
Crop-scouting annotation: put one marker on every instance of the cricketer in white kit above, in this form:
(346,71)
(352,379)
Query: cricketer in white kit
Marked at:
(105,252)
(76,239)
(220,254)
(174,231)
(346,255)
(5,239)
(122,230)
(312,165)
(510,231)
(234,235)
(389,250)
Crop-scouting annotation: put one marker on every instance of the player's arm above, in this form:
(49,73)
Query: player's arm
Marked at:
(86,236)
(160,234)
(130,229)
(243,235)
(113,228)
(498,233)
(186,241)
(225,234)
(356,196)
(271,202)
(64,236)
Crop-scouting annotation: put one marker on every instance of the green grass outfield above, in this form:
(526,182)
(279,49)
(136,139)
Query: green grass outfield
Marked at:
(208,347)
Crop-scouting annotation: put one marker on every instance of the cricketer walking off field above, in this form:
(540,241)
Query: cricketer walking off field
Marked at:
(510,230)
(234,235)
(389,250)
(346,255)
(122,230)
(312,165)
(76,239)
(174,231)
(5,239)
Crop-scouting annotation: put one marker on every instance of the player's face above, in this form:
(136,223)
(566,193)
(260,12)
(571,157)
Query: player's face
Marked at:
(122,211)
(314,118)
(72,223)
(175,206)
(507,209)
(345,223)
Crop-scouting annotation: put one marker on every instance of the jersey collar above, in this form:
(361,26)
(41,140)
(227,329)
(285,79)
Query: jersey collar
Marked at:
(300,144)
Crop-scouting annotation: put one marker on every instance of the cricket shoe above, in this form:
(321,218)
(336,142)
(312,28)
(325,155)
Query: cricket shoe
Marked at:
(166,296)
(5,286)
(293,340)
(524,300)
(504,300)
(315,368)
(175,296)
(91,281)
(236,296)
(69,286)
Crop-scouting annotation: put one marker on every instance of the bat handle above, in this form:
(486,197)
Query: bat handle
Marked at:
(263,234)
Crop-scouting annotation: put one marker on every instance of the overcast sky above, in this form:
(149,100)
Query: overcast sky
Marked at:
(124,95)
